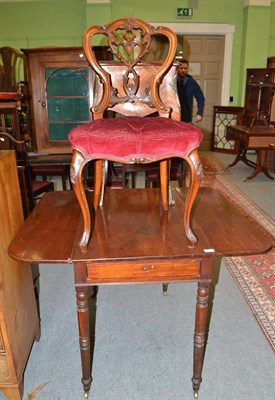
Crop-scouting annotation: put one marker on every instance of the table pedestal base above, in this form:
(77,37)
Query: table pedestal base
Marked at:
(258,138)
(261,165)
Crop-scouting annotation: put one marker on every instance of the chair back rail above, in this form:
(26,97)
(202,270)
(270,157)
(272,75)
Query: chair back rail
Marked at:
(130,85)
(12,69)
(29,188)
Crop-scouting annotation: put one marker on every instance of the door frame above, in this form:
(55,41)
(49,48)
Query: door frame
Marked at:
(210,29)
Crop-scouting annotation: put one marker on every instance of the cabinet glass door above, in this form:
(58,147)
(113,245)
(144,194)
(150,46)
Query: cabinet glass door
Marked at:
(225,116)
(67,99)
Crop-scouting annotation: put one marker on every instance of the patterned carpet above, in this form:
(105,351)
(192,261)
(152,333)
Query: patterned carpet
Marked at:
(254,275)
(213,166)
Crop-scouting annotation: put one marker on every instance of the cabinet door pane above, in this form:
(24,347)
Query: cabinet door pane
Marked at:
(66,82)
(60,131)
(67,100)
(68,110)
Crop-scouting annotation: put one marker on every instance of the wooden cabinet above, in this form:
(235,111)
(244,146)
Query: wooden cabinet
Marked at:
(223,117)
(257,110)
(270,63)
(260,85)
(19,324)
(61,86)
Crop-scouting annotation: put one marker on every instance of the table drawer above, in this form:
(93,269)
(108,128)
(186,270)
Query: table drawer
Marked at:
(231,134)
(143,272)
(260,142)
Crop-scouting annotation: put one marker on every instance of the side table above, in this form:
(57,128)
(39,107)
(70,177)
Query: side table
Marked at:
(257,138)
(135,241)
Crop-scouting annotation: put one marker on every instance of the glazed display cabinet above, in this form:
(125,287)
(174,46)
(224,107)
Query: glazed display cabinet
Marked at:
(61,86)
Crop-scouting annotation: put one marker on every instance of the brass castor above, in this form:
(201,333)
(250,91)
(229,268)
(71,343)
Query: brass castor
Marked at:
(196,394)
(164,289)
(86,394)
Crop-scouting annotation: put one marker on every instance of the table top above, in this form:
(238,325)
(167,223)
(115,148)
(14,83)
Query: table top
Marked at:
(261,84)
(254,130)
(132,226)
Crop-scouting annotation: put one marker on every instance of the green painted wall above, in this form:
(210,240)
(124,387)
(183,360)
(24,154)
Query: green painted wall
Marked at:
(42,23)
(165,11)
(98,14)
(271,51)
(256,40)
(62,23)
(257,31)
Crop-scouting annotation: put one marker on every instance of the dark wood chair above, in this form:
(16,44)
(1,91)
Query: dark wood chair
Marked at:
(177,173)
(31,190)
(12,69)
(14,94)
(47,170)
(132,88)
(126,174)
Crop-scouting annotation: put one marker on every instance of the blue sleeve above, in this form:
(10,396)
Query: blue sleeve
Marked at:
(199,96)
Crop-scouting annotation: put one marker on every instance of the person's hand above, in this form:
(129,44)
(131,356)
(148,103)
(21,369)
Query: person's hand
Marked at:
(198,118)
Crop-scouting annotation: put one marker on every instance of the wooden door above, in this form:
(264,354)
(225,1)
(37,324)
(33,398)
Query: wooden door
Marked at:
(206,57)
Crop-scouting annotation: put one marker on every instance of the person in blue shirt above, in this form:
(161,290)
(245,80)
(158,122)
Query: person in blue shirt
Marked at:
(188,89)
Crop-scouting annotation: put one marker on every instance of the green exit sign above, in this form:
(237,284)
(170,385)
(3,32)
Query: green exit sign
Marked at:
(184,12)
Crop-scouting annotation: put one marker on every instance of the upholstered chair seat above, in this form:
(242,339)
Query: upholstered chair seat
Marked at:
(135,139)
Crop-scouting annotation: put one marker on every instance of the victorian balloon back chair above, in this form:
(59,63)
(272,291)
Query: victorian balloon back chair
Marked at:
(148,128)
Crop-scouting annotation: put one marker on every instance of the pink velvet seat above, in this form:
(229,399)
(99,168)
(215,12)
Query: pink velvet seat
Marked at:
(135,139)
(135,88)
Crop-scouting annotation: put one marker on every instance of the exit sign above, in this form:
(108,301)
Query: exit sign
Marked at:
(184,12)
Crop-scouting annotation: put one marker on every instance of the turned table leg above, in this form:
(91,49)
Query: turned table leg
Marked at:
(82,299)
(86,324)
(201,323)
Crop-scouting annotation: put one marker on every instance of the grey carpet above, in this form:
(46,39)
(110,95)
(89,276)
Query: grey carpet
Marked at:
(144,344)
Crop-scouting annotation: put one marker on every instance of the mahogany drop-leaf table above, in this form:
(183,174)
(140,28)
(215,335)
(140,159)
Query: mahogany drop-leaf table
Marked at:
(135,241)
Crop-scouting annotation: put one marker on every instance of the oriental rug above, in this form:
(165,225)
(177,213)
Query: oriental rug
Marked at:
(254,275)
(213,166)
